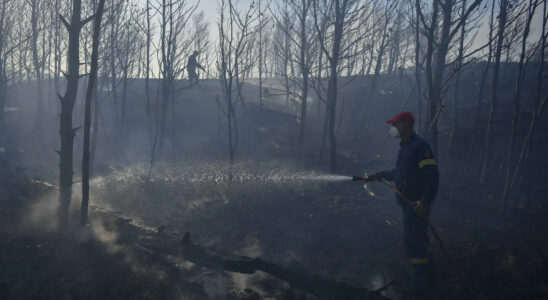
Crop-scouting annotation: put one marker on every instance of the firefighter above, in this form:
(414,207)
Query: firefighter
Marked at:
(416,176)
(191,66)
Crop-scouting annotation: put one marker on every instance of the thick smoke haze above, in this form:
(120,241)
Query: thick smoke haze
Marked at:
(273,149)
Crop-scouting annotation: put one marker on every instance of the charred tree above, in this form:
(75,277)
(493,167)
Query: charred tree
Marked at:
(418,68)
(332,89)
(439,34)
(479,100)
(300,38)
(262,53)
(494,90)
(531,8)
(384,32)
(342,16)
(456,94)
(523,164)
(3,75)
(305,59)
(66,129)
(234,29)
(87,111)
(35,34)
(147,66)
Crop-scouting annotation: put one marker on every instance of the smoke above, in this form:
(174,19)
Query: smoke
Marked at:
(215,286)
(42,214)
(259,283)
(252,249)
(106,237)
(381,281)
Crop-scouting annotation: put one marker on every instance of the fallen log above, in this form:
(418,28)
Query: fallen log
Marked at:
(314,285)
(163,242)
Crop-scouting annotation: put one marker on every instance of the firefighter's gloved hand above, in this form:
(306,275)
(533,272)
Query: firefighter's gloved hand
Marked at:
(420,208)
(372,177)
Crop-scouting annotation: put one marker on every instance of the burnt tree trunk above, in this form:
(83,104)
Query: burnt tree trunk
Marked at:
(37,67)
(3,79)
(304,70)
(112,60)
(418,70)
(454,125)
(261,27)
(87,111)
(437,93)
(332,87)
(538,108)
(428,68)
(517,96)
(485,72)
(68,100)
(494,90)
(147,70)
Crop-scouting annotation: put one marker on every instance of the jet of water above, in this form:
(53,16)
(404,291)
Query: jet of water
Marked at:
(219,174)
(325,178)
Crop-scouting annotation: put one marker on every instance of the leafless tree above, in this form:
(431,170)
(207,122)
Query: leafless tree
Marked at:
(68,100)
(382,31)
(342,20)
(128,50)
(174,15)
(300,38)
(7,47)
(115,20)
(87,114)
(235,27)
(482,84)
(458,66)
(37,60)
(147,63)
(58,35)
(282,46)
(439,32)
(530,13)
(502,24)
(419,66)
(539,105)
(262,43)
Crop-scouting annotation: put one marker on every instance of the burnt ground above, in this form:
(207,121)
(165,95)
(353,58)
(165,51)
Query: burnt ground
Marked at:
(334,230)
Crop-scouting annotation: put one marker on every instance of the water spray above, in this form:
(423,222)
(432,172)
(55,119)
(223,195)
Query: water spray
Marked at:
(219,174)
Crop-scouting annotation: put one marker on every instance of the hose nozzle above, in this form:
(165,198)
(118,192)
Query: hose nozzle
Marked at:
(359,178)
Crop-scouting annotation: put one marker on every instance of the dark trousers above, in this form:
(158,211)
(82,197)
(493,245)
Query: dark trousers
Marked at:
(417,247)
(192,76)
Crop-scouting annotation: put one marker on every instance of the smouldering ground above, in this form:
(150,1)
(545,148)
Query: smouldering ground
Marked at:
(308,221)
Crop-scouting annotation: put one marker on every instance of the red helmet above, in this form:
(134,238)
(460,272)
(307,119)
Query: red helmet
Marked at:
(403,116)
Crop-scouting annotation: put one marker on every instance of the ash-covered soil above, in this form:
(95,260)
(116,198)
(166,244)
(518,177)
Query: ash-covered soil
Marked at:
(271,204)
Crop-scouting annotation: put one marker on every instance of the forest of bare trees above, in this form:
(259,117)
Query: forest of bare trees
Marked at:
(310,48)
(93,92)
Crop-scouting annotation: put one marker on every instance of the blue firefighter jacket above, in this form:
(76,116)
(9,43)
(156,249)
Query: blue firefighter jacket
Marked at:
(416,173)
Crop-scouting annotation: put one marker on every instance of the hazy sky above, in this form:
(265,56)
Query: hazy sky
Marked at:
(209,7)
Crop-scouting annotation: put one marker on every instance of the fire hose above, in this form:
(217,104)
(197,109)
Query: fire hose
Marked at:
(460,276)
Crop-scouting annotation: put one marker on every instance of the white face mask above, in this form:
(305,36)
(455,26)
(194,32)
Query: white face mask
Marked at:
(394,132)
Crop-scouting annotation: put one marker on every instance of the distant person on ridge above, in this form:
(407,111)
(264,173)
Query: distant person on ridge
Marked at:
(416,176)
(191,68)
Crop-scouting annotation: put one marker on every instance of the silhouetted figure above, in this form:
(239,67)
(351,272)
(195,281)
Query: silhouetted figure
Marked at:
(191,68)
